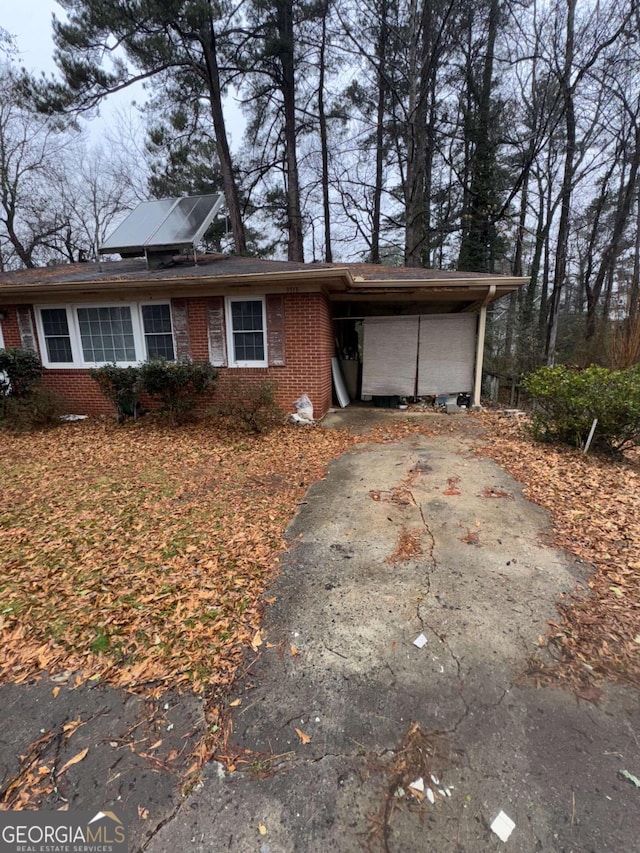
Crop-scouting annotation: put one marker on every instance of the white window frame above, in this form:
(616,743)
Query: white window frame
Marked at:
(78,362)
(233,362)
(1,337)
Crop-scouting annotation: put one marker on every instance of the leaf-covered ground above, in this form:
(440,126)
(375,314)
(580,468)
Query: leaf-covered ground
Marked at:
(595,507)
(141,555)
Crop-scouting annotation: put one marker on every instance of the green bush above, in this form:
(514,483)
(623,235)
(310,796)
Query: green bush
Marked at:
(21,371)
(253,409)
(178,385)
(567,400)
(38,410)
(120,385)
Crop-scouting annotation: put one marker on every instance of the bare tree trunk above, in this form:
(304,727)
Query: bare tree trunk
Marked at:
(382,95)
(324,144)
(634,291)
(612,251)
(419,21)
(560,271)
(229,185)
(284,16)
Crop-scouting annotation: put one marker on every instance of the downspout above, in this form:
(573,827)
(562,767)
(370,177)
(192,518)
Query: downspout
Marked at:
(482,325)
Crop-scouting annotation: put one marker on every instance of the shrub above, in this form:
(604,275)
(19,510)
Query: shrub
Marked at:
(20,371)
(179,385)
(38,410)
(567,400)
(120,386)
(254,409)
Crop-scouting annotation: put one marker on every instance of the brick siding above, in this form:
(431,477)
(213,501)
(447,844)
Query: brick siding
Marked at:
(308,349)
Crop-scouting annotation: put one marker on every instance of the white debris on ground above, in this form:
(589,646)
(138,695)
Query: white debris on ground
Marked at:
(304,410)
(503,826)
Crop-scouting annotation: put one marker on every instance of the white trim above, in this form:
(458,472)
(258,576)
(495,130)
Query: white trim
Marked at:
(1,337)
(232,362)
(78,362)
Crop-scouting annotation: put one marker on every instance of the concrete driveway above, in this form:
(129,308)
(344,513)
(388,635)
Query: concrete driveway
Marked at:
(410,538)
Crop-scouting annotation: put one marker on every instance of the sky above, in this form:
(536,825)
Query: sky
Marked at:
(29,21)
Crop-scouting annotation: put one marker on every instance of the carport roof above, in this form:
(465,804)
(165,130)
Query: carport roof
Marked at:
(340,281)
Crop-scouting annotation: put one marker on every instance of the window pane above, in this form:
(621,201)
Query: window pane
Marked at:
(156,319)
(54,321)
(248,346)
(160,346)
(106,334)
(246,316)
(59,350)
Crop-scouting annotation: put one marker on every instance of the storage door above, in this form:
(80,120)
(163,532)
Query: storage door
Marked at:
(446,353)
(389,356)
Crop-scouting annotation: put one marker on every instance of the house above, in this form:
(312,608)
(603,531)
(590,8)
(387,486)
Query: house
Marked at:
(398,331)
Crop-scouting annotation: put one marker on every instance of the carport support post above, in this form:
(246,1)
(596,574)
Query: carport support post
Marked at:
(482,326)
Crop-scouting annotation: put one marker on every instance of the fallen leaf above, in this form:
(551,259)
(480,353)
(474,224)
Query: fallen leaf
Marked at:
(262,829)
(303,737)
(294,651)
(55,692)
(75,760)
(589,694)
(257,641)
(156,744)
(143,813)
(235,703)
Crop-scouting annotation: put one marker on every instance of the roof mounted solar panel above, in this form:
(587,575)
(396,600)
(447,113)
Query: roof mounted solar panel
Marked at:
(159,228)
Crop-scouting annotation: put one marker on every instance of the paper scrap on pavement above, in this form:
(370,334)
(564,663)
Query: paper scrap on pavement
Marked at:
(418,785)
(420,641)
(431,796)
(503,826)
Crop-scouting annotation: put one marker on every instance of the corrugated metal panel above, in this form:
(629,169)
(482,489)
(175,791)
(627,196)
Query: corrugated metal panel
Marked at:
(446,353)
(390,352)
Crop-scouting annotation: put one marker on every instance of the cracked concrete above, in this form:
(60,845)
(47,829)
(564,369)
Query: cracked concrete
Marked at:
(482,592)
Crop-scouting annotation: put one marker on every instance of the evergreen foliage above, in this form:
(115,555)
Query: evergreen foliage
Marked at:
(567,401)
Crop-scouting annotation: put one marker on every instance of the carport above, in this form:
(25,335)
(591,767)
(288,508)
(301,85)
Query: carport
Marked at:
(415,332)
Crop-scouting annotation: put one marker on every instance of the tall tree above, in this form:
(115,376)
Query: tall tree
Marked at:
(105,47)
(479,236)
(31,216)
(270,56)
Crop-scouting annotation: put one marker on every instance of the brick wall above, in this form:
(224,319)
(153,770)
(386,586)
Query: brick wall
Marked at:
(10,331)
(308,349)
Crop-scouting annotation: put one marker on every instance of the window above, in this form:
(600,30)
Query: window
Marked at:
(246,332)
(88,335)
(55,328)
(106,334)
(156,323)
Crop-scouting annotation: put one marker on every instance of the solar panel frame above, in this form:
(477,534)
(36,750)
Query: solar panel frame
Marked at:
(164,224)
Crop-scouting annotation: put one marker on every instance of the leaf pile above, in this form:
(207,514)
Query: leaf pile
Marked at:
(595,504)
